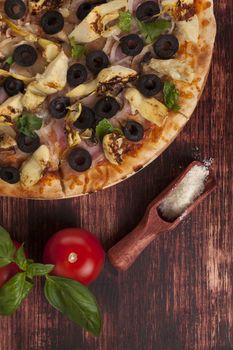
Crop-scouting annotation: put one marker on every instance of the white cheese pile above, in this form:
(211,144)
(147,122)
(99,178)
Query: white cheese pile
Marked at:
(185,193)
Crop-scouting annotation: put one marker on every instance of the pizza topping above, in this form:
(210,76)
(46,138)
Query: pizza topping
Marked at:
(96,61)
(4,73)
(51,49)
(147,10)
(12,107)
(79,159)
(171,96)
(98,22)
(106,107)
(14,9)
(25,55)
(6,141)
(77,50)
(125,21)
(32,169)
(84,9)
(86,119)
(112,146)
(76,74)
(149,108)
(131,44)
(58,107)
(104,127)
(166,46)
(179,9)
(9,174)
(149,85)
(188,30)
(152,30)
(28,123)
(37,6)
(176,69)
(13,86)
(72,133)
(28,144)
(52,22)
(133,131)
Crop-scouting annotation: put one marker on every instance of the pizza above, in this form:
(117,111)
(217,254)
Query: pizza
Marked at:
(93,91)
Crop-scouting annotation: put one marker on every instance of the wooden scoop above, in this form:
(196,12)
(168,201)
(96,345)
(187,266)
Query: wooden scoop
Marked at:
(125,252)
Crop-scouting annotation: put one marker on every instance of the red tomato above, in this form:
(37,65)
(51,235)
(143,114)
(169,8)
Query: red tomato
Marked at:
(76,254)
(8,271)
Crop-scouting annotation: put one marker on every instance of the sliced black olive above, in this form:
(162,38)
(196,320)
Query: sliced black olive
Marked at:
(149,84)
(58,107)
(28,144)
(147,10)
(96,61)
(77,74)
(133,131)
(25,55)
(86,119)
(166,46)
(131,44)
(52,22)
(14,9)
(13,86)
(84,9)
(9,174)
(79,159)
(106,107)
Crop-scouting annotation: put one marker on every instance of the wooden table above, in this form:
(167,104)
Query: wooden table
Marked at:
(179,294)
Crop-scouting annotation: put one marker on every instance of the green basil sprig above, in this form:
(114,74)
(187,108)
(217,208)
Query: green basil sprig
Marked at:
(75,301)
(71,298)
(125,21)
(28,123)
(171,96)
(104,127)
(152,30)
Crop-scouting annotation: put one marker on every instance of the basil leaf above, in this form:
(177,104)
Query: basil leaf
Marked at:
(77,50)
(13,293)
(125,21)
(104,127)
(27,123)
(9,60)
(36,269)
(7,248)
(152,30)
(171,96)
(20,258)
(75,301)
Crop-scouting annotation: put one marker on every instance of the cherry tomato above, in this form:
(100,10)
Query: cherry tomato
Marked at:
(8,271)
(76,254)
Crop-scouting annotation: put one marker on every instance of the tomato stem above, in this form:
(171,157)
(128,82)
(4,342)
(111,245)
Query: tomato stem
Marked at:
(73,257)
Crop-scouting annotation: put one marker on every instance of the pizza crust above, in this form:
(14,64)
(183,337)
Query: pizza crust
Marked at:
(68,183)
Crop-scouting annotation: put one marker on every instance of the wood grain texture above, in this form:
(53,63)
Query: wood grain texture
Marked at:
(179,293)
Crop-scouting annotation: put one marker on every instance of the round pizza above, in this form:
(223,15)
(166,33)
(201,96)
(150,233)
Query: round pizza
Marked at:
(92,91)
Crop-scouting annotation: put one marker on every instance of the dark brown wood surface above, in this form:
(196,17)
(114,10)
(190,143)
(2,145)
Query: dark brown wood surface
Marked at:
(179,293)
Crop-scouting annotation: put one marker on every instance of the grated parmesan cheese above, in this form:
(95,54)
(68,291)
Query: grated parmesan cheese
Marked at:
(185,193)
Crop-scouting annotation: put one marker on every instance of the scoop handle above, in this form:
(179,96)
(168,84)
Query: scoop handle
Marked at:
(123,254)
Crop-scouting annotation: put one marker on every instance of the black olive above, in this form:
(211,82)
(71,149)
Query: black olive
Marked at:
(14,9)
(79,159)
(25,55)
(131,44)
(96,61)
(77,74)
(147,10)
(52,22)
(28,144)
(86,119)
(149,84)
(166,46)
(58,107)
(9,174)
(84,9)
(13,86)
(106,107)
(133,131)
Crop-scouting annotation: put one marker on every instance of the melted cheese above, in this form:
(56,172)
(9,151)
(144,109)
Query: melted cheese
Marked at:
(177,70)
(95,24)
(188,30)
(149,108)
